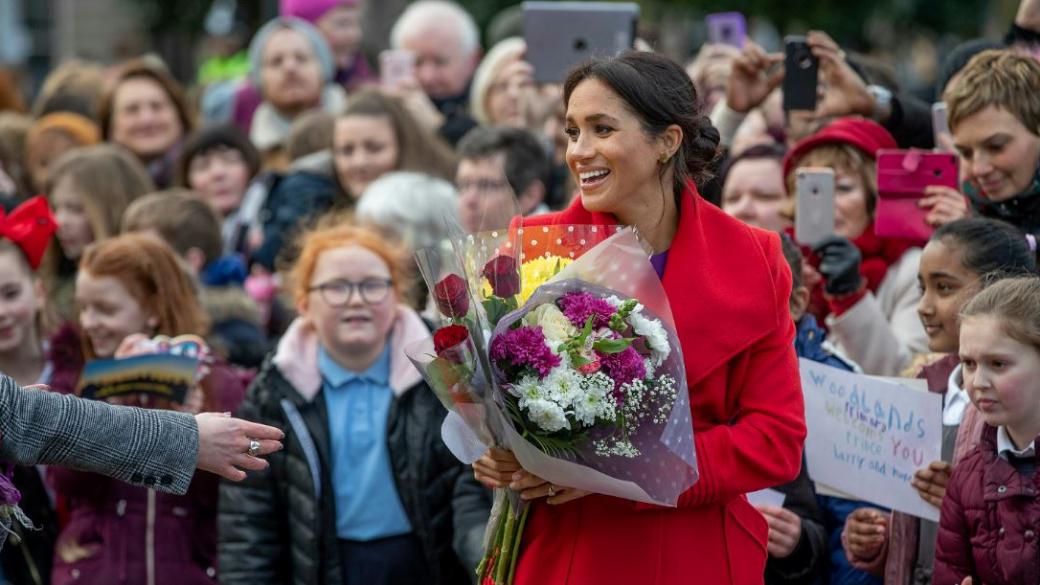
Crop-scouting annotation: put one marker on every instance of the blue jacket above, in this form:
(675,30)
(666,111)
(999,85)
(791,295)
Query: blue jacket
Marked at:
(809,344)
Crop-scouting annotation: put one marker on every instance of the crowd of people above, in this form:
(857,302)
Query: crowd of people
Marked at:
(274,211)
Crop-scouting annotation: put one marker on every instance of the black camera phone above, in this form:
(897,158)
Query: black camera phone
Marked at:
(801,70)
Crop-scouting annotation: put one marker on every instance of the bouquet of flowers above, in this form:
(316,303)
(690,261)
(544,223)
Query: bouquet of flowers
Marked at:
(562,349)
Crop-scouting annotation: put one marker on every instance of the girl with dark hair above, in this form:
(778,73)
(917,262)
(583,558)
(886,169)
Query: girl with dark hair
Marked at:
(219,162)
(637,145)
(960,260)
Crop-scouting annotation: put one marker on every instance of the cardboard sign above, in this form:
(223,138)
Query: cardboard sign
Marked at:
(867,437)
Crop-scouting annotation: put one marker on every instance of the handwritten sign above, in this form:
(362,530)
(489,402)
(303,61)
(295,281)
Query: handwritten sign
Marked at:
(867,437)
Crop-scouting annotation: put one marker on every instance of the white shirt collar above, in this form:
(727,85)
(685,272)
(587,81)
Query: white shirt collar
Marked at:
(1005,446)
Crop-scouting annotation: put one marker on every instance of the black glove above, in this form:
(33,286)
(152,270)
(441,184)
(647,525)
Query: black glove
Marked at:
(839,265)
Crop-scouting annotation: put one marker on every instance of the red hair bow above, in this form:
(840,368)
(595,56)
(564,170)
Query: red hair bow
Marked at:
(30,226)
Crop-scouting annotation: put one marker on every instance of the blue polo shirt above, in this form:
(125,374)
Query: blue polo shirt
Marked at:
(367,504)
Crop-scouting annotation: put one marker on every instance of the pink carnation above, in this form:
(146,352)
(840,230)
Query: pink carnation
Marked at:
(524,347)
(577,306)
(624,367)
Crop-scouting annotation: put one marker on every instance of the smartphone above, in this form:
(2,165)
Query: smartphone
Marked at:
(941,128)
(801,69)
(726,28)
(814,204)
(902,176)
(396,66)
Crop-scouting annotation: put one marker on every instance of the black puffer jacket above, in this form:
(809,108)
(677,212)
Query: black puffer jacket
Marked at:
(278,526)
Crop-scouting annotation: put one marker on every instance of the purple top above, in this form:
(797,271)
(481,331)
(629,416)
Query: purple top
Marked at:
(659,260)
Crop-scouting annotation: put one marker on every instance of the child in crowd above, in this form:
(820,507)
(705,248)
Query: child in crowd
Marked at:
(24,235)
(960,259)
(991,512)
(805,534)
(218,163)
(134,286)
(191,227)
(88,188)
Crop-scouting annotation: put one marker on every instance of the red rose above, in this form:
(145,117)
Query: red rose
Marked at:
(504,276)
(448,337)
(452,296)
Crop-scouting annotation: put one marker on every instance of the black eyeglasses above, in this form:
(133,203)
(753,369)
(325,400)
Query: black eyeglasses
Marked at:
(338,292)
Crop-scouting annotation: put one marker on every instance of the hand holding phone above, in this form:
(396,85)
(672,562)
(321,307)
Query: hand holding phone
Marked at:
(814,204)
(801,74)
(904,179)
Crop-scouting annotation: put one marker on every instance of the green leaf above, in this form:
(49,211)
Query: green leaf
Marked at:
(496,308)
(609,346)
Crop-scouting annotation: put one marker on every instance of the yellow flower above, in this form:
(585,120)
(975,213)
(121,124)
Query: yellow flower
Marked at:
(533,274)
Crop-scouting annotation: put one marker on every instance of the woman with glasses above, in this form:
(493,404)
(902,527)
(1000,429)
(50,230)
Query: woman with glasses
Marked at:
(365,490)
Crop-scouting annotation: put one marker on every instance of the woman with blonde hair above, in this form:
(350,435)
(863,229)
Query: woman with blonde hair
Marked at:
(131,288)
(503,91)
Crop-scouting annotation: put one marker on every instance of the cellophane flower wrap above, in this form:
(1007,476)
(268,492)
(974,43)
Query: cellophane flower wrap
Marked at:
(574,365)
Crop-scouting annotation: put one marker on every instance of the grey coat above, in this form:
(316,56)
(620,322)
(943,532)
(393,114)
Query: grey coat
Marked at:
(157,449)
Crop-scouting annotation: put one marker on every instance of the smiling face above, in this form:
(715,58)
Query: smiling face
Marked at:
(615,163)
(365,148)
(999,155)
(1002,376)
(946,285)
(144,118)
(754,193)
(75,232)
(290,74)
(21,298)
(108,313)
(355,327)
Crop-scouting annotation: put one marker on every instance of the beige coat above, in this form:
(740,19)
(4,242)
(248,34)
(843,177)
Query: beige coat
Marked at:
(882,332)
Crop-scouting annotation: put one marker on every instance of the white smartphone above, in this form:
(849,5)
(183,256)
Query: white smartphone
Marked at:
(814,204)
(396,66)
(941,128)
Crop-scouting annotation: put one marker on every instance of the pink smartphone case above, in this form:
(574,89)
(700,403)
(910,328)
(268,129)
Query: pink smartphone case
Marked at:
(902,176)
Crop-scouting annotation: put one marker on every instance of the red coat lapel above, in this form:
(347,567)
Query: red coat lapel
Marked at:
(717,305)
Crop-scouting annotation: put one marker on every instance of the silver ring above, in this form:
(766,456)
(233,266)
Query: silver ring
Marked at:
(254,448)
(552,492)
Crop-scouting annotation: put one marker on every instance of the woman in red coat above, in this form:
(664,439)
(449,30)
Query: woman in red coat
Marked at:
(636,144)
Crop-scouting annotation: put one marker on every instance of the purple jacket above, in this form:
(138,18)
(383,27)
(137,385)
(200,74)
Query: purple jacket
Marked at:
(122,534)
(989,523)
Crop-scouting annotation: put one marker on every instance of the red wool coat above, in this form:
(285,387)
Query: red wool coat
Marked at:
(729,288)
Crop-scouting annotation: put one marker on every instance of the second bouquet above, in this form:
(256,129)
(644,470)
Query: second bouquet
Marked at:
(559,346)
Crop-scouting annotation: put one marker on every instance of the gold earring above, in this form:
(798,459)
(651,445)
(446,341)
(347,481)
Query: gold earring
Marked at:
(664,158)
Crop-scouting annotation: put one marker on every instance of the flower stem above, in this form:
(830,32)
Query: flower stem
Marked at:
(502,568)
(516,545)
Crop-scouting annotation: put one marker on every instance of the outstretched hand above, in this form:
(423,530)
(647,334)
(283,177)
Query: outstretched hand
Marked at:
(224,442)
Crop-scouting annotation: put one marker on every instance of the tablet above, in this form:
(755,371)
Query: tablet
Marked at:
(561,35)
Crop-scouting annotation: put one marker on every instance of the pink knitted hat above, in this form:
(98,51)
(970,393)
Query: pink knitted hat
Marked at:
(311,10)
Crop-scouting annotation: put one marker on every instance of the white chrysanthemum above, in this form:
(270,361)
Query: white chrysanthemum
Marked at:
(596,400)
(616,302)
(654,333)
(556,327)
(563,386)
(527,388)
(548,415)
